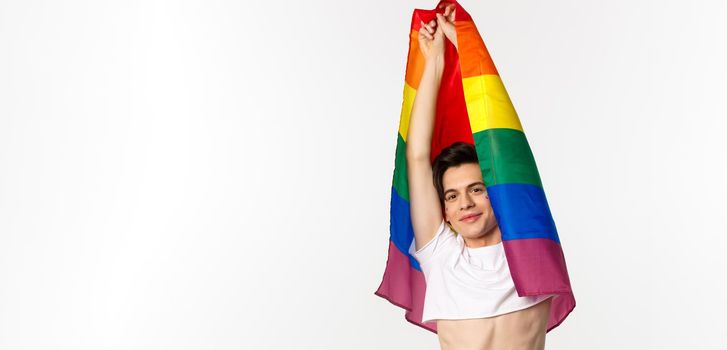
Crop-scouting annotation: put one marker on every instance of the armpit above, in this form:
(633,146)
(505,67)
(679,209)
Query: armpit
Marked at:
(434,245)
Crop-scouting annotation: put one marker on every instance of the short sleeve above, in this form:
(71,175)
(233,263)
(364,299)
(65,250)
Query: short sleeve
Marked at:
(434,245)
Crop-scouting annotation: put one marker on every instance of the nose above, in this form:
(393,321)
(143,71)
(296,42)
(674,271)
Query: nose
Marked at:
(467,202)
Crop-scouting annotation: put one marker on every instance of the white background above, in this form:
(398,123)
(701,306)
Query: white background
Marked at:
(217,174)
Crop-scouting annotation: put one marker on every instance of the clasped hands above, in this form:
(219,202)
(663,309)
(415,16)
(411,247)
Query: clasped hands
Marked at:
(431,35)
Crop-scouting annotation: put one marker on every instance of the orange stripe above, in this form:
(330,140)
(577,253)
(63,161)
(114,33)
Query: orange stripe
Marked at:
(415,64)
(473,55)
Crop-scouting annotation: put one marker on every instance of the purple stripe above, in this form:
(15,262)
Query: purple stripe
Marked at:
(560,308)
(537,266)
(404,286)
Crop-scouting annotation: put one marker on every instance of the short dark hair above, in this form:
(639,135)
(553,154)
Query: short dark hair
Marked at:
(456,154)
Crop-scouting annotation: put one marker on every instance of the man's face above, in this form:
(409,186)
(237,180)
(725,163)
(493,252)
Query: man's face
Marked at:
(465,195)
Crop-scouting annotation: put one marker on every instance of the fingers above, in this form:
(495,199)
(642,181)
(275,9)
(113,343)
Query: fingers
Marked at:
(443,21)
(445,5)
(428,29)
(449,12)
(430,26)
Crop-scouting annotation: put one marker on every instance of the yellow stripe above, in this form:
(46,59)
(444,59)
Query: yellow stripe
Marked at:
(488,104)
(409,93)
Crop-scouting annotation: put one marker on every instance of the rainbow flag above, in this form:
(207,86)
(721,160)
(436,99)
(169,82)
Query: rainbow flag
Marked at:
(473,106)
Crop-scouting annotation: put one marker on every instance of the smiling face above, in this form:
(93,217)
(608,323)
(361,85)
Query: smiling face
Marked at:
(466,204)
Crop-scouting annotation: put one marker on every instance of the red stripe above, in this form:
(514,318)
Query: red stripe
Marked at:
(452,122)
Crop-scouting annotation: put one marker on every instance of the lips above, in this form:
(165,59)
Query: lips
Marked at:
(471,218)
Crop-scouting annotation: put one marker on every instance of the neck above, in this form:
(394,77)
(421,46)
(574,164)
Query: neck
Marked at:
(492,237)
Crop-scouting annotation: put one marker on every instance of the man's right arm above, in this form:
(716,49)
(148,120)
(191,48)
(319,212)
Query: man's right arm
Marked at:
(425,210)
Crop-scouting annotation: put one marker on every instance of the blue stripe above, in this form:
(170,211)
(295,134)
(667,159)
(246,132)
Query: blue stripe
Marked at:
(402,233)
(522,212)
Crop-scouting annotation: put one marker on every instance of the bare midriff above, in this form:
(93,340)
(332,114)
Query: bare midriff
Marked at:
(519,330)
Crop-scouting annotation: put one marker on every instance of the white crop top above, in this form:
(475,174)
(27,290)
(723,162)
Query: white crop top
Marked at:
(464,282)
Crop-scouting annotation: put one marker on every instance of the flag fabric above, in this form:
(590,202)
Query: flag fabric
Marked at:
(474,107)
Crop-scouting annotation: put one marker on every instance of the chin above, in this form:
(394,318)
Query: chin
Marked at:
(471,231)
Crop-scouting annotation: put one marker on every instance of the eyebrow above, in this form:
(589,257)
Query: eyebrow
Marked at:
(468,186)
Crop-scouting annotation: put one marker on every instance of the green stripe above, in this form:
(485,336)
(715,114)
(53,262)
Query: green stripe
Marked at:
(505,157)
(401,181)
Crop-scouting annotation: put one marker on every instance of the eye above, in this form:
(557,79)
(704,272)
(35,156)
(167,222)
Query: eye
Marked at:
(477,189)
(450,197)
